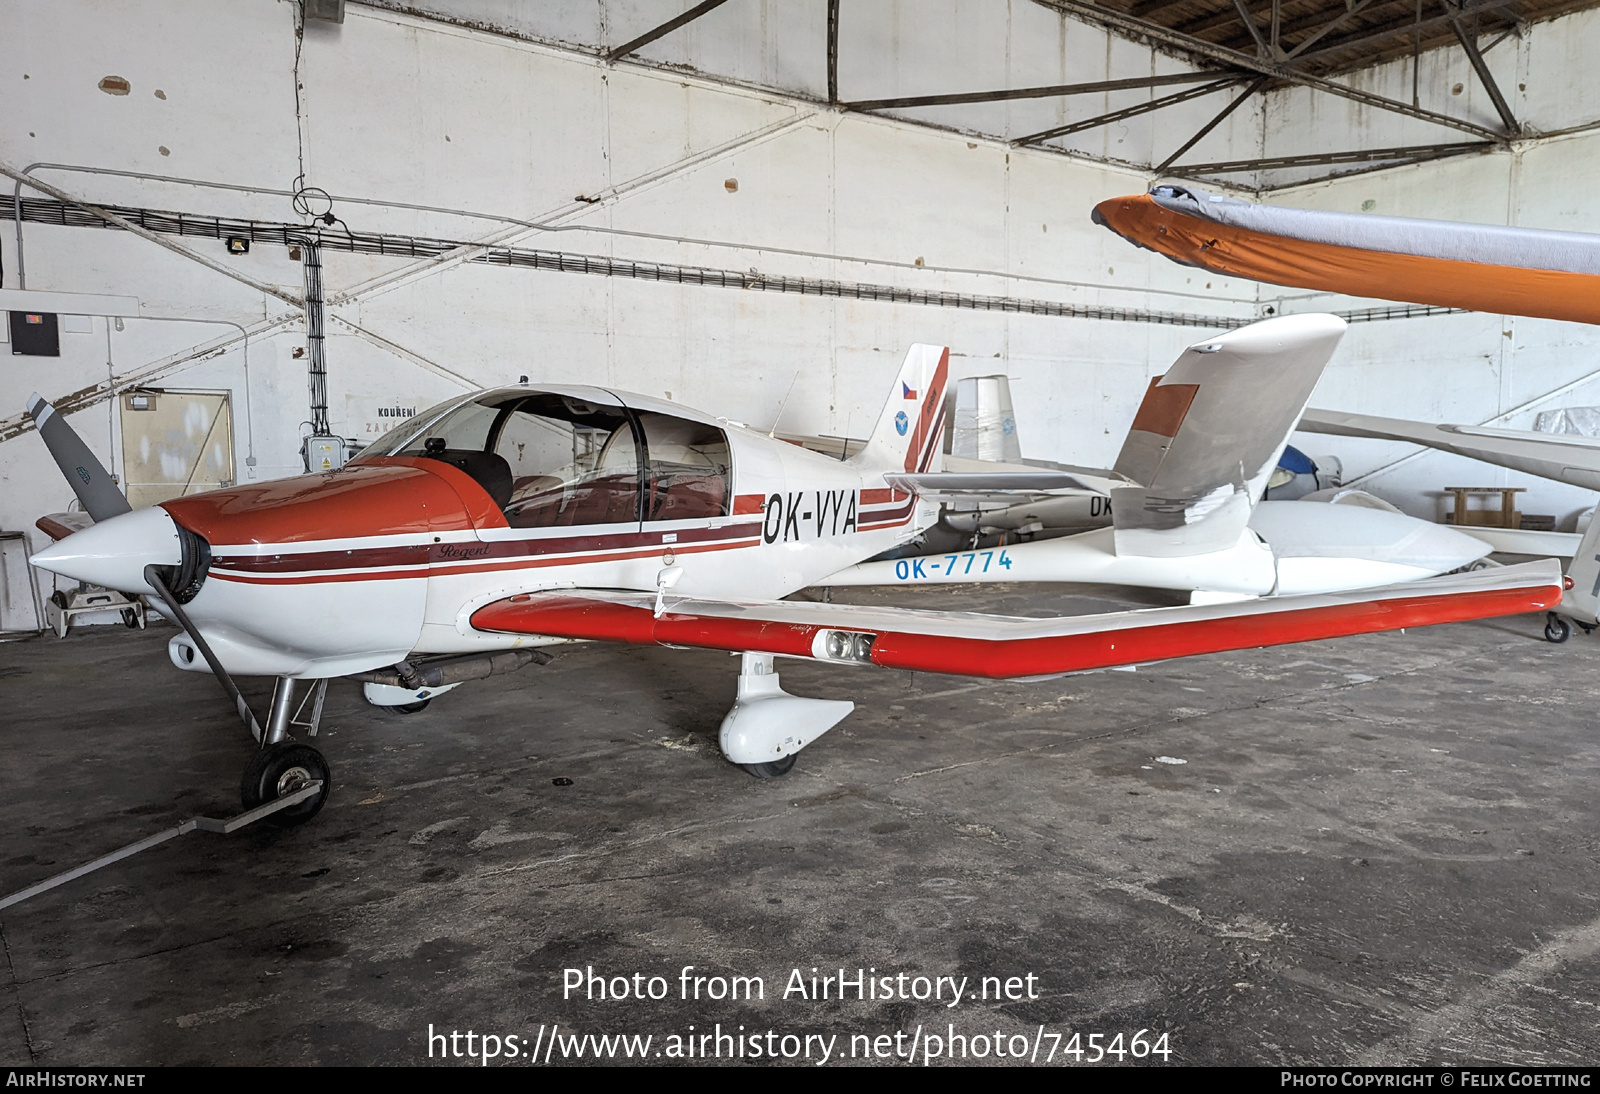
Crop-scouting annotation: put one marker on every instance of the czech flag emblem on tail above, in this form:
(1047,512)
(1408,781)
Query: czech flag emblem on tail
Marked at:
(906,438)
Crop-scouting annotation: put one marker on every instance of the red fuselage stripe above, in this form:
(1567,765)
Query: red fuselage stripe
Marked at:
(517,550)
(446,570)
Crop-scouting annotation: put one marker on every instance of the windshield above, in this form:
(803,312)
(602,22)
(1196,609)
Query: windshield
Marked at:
(387,444)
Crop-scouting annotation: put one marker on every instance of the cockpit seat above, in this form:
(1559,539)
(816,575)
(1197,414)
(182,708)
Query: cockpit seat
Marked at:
(488,469)
(689,497)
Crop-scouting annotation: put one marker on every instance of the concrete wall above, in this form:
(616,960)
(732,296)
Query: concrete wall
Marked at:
(399,108)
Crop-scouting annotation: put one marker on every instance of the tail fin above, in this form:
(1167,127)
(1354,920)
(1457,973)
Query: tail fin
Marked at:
(985,427)
(1209,433)
(1581,600)
(906,438)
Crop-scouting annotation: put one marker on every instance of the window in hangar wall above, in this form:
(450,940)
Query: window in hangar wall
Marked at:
(175,443)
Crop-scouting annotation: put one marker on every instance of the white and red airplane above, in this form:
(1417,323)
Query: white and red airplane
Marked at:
(520,517)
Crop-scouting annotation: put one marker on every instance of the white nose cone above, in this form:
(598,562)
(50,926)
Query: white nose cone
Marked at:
(113,553)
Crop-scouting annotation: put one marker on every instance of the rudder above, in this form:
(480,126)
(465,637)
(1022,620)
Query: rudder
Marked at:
(906,437)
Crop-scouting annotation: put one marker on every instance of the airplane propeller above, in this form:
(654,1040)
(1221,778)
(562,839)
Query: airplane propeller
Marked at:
(104,502)
(89,480)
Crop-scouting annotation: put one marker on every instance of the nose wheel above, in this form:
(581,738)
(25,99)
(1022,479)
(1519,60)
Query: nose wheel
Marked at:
(281,769)
(284,765)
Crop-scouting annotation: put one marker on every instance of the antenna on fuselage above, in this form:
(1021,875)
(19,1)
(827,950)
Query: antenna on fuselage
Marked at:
(774,430)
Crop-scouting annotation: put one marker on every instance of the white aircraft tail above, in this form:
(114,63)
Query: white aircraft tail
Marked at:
(1581,598)
(1209,433)
(906,438)
(985,425)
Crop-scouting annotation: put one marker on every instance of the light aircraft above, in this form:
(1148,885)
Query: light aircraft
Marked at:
(515,518)
(1182,509)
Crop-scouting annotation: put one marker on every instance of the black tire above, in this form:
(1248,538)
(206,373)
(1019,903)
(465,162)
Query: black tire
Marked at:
(281,769)
(773,769)
(411,708)
(1586,628)
(1556,629)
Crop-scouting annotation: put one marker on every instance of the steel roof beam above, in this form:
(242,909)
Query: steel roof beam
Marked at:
(1127,112)
(1249,20)
(1322,22)
(1149,7)
(1238,101)
(664,29)
(1050,92)
(1319,159)
(1089,12)
(1327,28)
(1345,45)
(1502,107)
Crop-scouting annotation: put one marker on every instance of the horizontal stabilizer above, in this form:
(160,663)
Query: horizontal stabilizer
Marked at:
(969,644)
(936,487)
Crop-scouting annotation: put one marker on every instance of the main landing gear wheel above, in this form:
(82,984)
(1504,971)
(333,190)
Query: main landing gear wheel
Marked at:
(411,708)
(1556,629)
(282,769)
(771,770)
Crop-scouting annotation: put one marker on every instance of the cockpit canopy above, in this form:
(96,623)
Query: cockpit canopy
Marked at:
(552,460)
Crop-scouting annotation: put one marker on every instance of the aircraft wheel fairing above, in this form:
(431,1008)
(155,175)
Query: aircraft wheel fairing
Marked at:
(772,770)
(56,613)
(1556,629)
(282,769)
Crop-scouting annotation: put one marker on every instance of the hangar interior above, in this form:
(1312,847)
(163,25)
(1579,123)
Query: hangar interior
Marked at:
(752,208)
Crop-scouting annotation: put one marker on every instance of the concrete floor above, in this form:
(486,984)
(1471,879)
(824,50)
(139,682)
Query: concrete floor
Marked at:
(1380,850)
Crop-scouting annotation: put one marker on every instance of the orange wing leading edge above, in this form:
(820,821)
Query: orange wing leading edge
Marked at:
(1500,270)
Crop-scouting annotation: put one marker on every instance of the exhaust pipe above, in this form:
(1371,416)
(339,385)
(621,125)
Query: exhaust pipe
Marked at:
(441,671)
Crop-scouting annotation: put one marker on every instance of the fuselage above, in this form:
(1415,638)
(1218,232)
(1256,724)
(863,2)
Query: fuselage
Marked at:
(505,492)
(1289,548)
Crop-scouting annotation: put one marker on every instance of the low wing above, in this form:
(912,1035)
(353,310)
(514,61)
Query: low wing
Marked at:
(968,644)
(1559,456)
(1488,268)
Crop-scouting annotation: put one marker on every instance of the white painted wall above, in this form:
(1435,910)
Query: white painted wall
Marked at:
(405,109)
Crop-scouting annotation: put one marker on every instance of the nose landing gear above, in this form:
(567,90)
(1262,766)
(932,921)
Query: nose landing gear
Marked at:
(284,765)
(279,770)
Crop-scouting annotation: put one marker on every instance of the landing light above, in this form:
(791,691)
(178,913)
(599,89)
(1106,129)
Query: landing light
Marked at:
(846,646)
